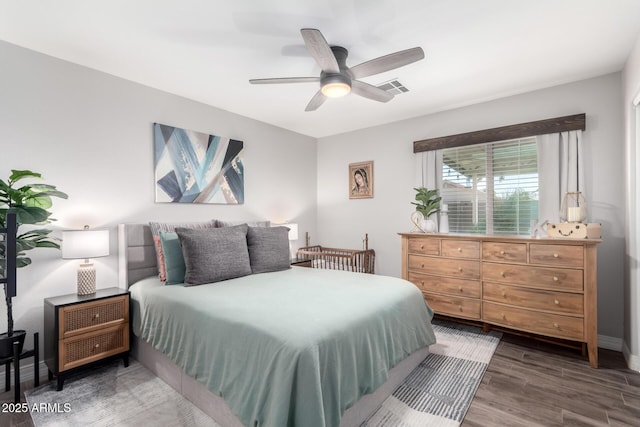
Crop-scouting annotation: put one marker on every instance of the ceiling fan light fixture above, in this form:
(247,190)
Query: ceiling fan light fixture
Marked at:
(335,85)
(335,90)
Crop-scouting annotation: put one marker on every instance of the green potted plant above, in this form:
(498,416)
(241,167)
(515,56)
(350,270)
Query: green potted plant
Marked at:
(427,203)
(30,203)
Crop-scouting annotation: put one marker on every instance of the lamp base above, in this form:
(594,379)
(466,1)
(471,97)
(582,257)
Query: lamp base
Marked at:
(86,279)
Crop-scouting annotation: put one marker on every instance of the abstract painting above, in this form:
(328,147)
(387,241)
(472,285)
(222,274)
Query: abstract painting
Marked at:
(195,167)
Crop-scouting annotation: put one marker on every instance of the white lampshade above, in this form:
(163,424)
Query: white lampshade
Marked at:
(85,244)
(293,231)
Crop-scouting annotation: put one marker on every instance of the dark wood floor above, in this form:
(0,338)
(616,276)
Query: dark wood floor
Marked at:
(529,383)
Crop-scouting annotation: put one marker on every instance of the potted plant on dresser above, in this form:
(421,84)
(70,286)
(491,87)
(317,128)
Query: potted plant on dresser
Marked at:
(30,203)
(427,203)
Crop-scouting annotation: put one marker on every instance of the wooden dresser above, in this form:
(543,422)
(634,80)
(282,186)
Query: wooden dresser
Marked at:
(546,287)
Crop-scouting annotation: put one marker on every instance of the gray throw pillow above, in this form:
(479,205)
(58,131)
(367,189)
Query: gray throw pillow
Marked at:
(268,249)
(214,254)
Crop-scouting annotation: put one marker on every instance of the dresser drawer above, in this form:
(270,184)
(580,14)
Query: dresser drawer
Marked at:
(82,349)
(559,302)
(505,252)
(557,255)
(454,306)
(424,246)
(458,268)
(461,249)
(537,322)
(446,285)
(535,277)
(82,318)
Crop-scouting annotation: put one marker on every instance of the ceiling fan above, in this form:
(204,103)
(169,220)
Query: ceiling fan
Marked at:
(336,79)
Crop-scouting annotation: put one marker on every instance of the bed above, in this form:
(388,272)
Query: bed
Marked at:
(293,347)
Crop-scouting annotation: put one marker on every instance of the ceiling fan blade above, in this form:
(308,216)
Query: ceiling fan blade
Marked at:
(388,62)
(317,100)
(320,50)
(285,80)
(370,91)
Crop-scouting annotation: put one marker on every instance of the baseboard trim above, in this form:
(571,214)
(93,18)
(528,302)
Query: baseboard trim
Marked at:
(633,360)
(26,373)
(610,343)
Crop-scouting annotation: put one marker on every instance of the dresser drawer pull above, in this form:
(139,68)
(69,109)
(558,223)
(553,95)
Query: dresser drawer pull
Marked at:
(556,255)
(460,269)
(502,274)
(421,265)
(421,246)
(459,249)
(460,288)
(97,346)
(422,282)
(504,316)
(96,316)
(460,309)
(504,294)
(501,252)
(555,325)
(556,302)
(555,278)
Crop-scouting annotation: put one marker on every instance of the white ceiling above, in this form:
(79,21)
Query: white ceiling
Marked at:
(207,50)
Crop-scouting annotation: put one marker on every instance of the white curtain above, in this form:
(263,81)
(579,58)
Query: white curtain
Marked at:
(560,170)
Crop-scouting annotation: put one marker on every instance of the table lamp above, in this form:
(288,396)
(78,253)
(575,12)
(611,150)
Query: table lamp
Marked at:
(85,244)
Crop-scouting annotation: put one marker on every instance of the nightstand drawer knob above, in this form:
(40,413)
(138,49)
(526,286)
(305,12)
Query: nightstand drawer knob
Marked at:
(501,252)
(96,316)
(97,346)
(459,249)
(460,269)
(555,278)
(556,255)
(556,302)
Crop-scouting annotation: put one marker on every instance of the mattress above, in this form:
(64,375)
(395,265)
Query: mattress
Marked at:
(289,348)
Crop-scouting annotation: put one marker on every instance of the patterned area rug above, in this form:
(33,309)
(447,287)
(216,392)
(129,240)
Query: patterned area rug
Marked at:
(436,393)
(114,396)
(439,391)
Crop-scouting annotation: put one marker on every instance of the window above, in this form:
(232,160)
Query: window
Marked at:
(491,188)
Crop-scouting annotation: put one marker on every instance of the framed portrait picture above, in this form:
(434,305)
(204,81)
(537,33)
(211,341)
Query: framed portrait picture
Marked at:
(361,180)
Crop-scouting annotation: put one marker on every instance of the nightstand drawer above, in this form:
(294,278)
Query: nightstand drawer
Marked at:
(82,349)
(83,318)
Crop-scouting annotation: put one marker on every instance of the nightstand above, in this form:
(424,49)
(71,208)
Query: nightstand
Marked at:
(83,329)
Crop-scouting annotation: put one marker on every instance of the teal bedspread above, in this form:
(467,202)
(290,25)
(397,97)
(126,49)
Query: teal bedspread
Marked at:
(290,348)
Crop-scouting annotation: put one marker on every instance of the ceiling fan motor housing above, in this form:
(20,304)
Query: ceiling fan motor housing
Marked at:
(337,84)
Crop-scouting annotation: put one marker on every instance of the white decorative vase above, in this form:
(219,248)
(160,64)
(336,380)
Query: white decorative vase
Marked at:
(429,226)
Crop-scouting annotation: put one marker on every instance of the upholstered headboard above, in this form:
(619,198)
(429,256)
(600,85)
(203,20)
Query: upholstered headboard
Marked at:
(136,254)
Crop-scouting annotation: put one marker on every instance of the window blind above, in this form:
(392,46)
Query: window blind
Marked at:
(491,188)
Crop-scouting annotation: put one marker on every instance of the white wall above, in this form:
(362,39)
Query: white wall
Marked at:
(631,89)
(343,222)
(90,134)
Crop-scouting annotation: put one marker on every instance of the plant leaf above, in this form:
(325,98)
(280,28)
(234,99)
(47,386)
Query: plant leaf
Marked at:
(17,175)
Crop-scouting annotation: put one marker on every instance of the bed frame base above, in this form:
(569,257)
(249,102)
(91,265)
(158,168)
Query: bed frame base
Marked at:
(216,407)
